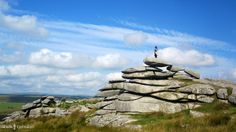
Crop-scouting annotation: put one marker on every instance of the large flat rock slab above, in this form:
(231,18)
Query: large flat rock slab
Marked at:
(107,93)
(174,83)
(172,96)
(128,97)
(148,75)
(192,73)
(198,89)
(148,104)
(155,62)
(175,68)
(145,89)
(141,69)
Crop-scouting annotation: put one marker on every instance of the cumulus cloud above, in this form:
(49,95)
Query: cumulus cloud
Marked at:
(26,24)
(186,57)
(80,80)
(76,78)
(110,61)
(24,70)
(58,59)
(135,38)
(69,60)
(114,76)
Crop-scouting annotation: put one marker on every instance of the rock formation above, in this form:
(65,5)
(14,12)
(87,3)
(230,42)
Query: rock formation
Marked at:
(156,87)
(45,106)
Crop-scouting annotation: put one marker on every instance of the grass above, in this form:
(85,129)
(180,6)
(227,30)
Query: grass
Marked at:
(219,117)
(76,122)
(7,107)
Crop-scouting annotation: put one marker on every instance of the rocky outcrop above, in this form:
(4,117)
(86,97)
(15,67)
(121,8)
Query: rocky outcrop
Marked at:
(157,87)
(45,106)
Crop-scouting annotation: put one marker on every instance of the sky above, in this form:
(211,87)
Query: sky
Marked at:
(74,47)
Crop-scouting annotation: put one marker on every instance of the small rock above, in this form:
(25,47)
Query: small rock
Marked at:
(196,114)
(222,93)
(205,99)
(193,74)
(232,99)
(37,101)
(84,109)
(50,97)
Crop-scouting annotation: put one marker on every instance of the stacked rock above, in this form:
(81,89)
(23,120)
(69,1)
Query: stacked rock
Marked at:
(150,88)
(156,87)
(44,106)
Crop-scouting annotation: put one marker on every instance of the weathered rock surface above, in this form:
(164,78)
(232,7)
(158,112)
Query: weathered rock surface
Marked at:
(155,62)
(108,93)
(172,96)
(141,69)
(174,83)
(128,97)
(198,89)
(222,93)
(192,74)
(145,89)
(148,104)
(174,68)
(148,75)
(197,114)
(111,119)
(205,99)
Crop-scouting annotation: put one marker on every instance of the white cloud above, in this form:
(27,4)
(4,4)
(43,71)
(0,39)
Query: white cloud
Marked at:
(135,38)
(69,60)
(24,70)
(114,76)
(27,24)
(4,5)
(81,80)
(110,61)
(58,59)
(76,78)
(186,57)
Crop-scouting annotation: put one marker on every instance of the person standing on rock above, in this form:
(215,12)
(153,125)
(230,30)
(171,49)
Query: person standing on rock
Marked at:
(155,52)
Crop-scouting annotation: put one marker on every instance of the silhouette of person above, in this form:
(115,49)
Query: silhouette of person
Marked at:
(155,52)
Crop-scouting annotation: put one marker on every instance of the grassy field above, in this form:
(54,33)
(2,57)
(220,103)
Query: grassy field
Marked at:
(7,107)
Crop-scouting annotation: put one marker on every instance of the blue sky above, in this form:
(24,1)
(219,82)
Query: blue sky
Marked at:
(61,47)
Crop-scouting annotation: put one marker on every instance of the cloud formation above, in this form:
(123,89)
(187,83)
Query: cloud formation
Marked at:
(110,61)
(186,57)
(114,76)
(25,24)
(69,60)
(24,70)
(135,38)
